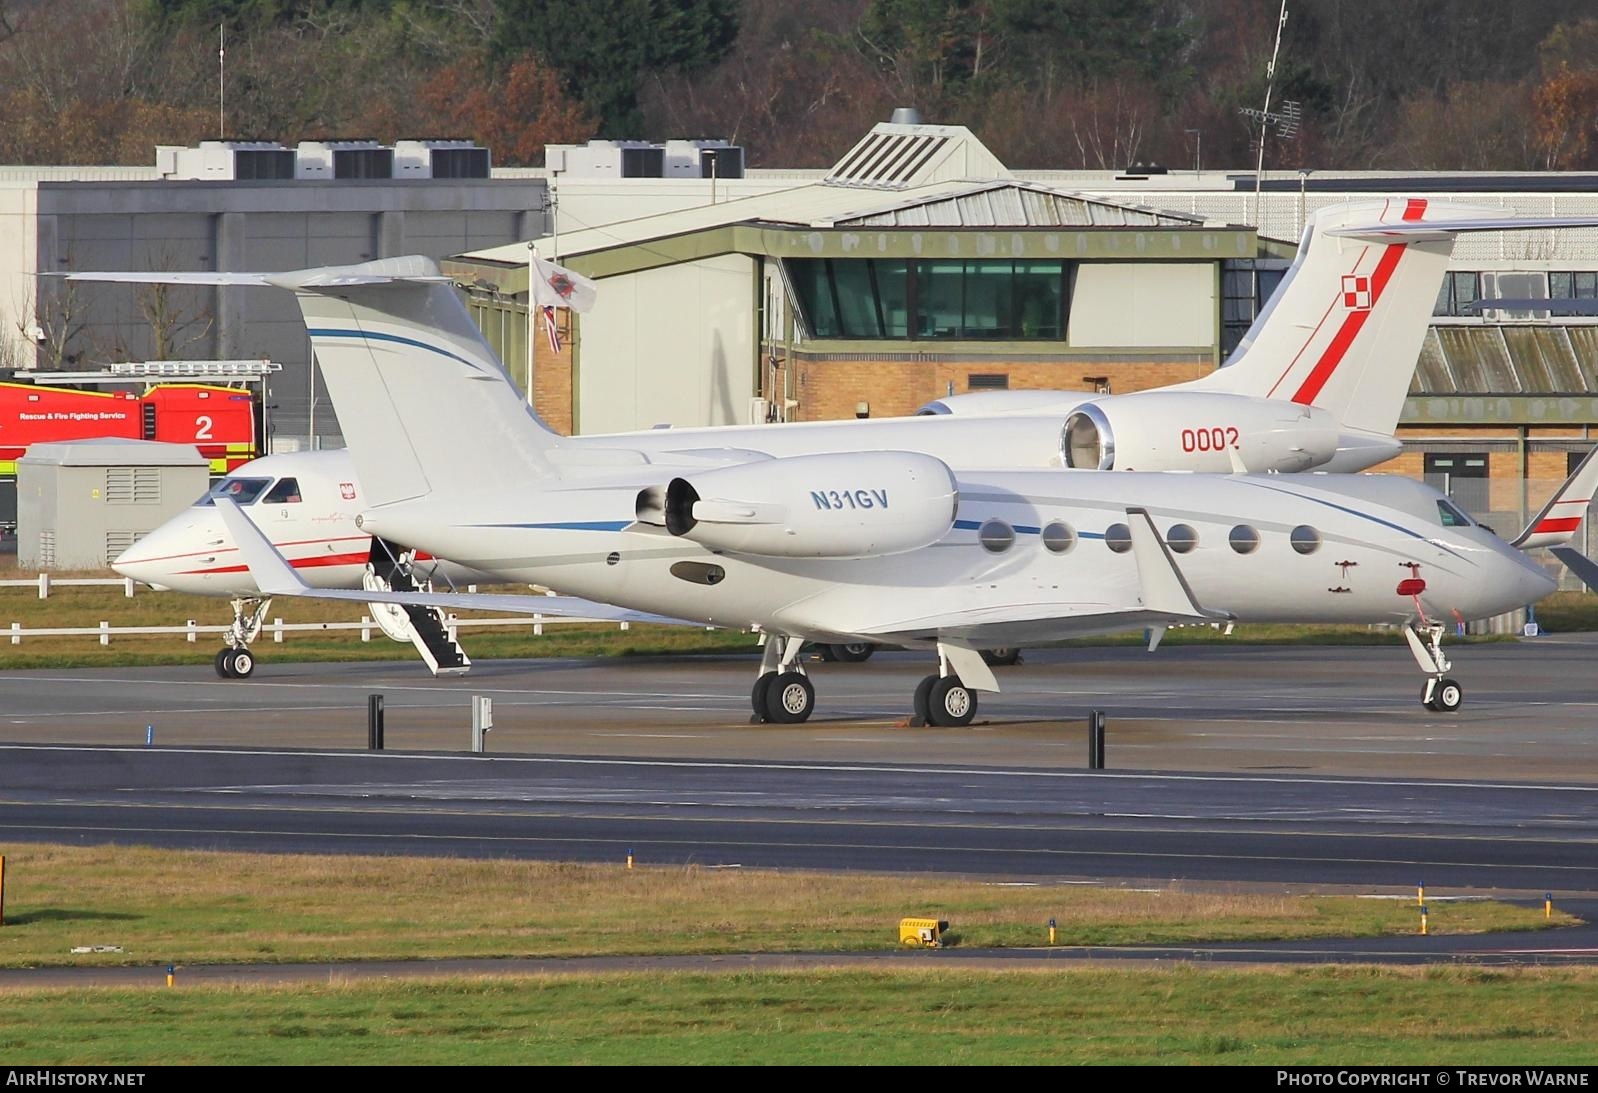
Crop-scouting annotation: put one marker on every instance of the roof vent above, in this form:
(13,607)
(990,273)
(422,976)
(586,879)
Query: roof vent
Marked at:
(905,115)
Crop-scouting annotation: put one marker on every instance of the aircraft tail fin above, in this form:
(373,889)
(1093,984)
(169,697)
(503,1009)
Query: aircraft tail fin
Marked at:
(424,404)
(1345,327)
(1562,515)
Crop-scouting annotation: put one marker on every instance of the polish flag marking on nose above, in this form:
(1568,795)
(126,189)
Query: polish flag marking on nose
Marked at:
(1357,293)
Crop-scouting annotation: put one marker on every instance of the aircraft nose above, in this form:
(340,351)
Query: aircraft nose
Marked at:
(160,557)
(1537,582)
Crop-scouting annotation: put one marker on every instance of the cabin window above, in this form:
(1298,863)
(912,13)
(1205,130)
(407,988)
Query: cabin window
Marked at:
(996,536)
(1118,537)
(1058,537)
(1305,539)
(1244,539)
(286,492)
(1181,538)
(1451,516)
(241,491)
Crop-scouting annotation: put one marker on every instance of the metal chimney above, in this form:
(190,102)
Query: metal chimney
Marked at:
(906,115)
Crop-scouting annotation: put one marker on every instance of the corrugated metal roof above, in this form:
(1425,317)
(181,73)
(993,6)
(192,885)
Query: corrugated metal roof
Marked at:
(1013,205)
(1522,360)
(1004,203)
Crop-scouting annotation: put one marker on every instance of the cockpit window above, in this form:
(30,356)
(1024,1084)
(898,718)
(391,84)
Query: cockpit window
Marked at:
(286,492)
(241,491)
(1450,516)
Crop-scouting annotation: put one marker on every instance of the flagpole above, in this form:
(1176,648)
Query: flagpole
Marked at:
(532,329)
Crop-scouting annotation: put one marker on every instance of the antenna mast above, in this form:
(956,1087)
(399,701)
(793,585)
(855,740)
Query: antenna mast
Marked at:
(221,81)
(1270,79)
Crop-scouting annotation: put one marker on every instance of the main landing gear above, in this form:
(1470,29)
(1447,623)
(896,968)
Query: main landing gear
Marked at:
(945,702)
(235,661)
(1440,694)
(784,695)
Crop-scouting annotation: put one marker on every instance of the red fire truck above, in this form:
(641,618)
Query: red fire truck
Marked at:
(222,422)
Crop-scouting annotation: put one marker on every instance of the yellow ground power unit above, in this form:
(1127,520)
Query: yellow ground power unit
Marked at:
(922,931)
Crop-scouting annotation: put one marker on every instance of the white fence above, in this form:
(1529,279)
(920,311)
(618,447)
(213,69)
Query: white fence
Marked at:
(277,628)
(44,582)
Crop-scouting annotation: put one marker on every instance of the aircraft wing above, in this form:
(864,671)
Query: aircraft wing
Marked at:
(275,577)
(1164,597)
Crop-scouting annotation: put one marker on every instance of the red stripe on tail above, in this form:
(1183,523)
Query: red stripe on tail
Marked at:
(1321,374)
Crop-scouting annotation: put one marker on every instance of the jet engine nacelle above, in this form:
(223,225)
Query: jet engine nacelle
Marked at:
(1196,431)
(842,505)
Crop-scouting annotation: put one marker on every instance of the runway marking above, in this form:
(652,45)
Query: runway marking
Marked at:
(404,807)
(237,684)
(838,768)
(698,845)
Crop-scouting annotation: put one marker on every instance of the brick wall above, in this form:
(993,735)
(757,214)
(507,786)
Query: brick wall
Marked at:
(552,373)
(830,390)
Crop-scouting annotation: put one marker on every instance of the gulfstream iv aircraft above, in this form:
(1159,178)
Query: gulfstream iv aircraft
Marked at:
(1313,385)
(870,545)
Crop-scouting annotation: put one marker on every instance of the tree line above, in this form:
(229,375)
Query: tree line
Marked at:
(1405,84)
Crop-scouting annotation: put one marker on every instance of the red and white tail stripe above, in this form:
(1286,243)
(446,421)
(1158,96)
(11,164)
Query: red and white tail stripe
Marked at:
(1560,518)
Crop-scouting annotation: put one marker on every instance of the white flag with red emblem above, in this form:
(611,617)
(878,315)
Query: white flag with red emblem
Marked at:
(557,286)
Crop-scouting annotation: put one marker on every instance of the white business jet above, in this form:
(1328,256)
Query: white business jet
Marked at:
(889,546)
(1301,391)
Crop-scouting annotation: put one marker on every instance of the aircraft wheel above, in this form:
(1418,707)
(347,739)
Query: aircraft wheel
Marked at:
(223,663)
(953,705)
(1002,657)
(757,696)
(790,699)
(853,652)
(1448,696)
(241,664)
(921,705)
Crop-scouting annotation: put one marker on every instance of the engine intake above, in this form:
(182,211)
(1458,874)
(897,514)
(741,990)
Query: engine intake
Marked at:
(837,505)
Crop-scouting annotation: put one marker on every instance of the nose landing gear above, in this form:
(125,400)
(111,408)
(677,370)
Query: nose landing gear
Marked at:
(235,661)
(1440,694)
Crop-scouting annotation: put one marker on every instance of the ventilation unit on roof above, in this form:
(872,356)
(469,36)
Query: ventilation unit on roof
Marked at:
(440,159)
(226,161)
(328,159)
(887,160)
(641,159)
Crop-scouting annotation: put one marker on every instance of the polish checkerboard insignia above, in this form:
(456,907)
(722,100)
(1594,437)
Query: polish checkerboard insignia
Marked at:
(1357,293)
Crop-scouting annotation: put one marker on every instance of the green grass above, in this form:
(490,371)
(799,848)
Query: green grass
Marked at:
(921,1016)
(163,906)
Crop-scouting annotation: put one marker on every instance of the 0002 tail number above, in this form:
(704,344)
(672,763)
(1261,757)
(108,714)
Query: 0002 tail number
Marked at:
(1217,439)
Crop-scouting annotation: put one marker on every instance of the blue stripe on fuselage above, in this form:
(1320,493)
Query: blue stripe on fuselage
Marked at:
(330,332)
(1362,515)
(566,525)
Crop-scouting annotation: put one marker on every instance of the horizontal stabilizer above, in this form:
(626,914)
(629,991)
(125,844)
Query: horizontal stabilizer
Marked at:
(414,269)
(1563,514)
(1415,231)
(275,577)
(1578,563)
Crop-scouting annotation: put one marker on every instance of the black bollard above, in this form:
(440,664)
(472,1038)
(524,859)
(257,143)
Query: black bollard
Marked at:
(374,722)
(1096,739)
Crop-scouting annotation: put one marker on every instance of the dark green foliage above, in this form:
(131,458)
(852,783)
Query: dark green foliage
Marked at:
(247,14)
(604,48)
